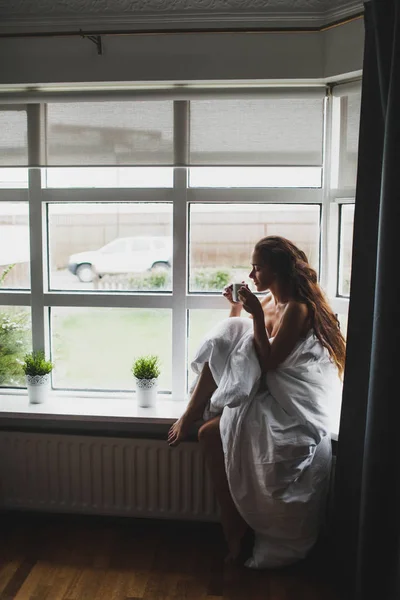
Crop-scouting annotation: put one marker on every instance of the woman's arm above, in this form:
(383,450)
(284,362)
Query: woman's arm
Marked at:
(272,354)
(236,310)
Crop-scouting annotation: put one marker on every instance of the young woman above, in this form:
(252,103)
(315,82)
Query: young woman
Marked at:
(264,387)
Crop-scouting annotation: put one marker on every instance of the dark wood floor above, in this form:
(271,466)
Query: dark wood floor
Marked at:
(71,558)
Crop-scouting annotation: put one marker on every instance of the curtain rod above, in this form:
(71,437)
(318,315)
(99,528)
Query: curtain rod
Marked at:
(215,30)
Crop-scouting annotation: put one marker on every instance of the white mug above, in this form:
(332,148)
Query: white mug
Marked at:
(235,288)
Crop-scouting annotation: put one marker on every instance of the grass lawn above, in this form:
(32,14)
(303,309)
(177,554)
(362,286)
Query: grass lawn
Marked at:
(94,348)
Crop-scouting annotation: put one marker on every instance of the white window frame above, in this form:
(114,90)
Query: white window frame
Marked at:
(179,301)
(338,195)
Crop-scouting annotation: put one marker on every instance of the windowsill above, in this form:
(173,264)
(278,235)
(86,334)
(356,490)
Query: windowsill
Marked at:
(61,406)
(90,408)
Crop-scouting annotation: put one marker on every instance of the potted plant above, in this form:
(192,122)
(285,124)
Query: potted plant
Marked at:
(37,370)
(146,370)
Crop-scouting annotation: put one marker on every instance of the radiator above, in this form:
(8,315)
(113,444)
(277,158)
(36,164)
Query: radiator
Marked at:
(101,475)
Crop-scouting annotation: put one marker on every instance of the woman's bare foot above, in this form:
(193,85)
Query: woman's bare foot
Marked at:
(234,550)
(236,542)
(179,431)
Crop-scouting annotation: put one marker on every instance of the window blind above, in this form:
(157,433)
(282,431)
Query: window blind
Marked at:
(13,138)
(349,158)
(110,133)
(350,106)
(271,131)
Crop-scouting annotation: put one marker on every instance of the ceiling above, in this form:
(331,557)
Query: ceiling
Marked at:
(24,16)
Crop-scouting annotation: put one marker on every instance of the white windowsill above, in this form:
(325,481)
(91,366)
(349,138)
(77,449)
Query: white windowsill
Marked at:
(67,407)
(62,406)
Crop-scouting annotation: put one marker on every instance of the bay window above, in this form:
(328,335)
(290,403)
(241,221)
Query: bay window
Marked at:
(122,221)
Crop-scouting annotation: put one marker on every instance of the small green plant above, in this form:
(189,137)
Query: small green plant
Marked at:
(35,363)
(146,367)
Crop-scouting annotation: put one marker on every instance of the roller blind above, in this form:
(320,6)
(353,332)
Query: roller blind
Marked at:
(110,133)
(349,147)
(350,105)
(13,138)
(272,131)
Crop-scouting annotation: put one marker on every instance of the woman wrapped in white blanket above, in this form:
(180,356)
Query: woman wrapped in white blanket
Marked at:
(264,388)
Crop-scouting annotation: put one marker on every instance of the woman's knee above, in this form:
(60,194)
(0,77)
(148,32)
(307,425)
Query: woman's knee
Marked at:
(209,432)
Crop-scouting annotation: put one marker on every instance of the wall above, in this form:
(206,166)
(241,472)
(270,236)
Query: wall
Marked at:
(343,49)
(184,57)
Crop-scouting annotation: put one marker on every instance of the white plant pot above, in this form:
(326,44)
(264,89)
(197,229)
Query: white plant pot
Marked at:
(38,388)
(146,392)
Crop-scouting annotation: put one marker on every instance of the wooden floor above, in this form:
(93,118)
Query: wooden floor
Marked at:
(67,558)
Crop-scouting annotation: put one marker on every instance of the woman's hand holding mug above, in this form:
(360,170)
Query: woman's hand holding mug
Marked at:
(250,302)
(231,294)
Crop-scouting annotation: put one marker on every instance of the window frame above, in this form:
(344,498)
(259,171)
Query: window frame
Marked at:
(337,192)
(180,300)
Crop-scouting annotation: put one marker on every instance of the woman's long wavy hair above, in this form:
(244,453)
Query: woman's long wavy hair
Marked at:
(294,271)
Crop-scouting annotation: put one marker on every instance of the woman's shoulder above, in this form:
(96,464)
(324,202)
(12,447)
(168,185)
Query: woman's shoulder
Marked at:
(267,299)
(297,311)
(298,314)
(298,307)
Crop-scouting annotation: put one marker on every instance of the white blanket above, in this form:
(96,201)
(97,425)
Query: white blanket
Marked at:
(276,437)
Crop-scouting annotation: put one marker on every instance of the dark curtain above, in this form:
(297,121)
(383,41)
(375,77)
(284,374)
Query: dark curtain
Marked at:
(367,481)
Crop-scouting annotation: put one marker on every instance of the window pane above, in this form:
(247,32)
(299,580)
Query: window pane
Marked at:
(13,178)
(13,138)
(345,248)
(222,238)
(273,131)
(100,246)
(14,245)
(254,177)
(200,323)
(94,348)
(15,342)
(109,177)
(110,133)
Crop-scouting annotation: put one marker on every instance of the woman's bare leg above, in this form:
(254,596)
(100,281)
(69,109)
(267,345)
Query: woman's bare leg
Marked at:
(202,393)
(233,524)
